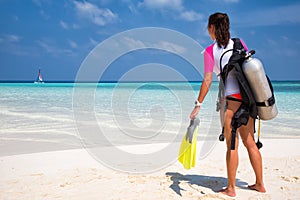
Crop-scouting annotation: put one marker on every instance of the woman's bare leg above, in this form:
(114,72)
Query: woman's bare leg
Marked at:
(247,135)
(231,155)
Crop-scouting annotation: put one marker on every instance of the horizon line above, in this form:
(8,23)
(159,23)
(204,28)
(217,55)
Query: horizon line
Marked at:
(149,81)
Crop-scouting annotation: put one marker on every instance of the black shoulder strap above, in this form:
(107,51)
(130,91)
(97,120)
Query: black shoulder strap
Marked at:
(237,44)
(237,47)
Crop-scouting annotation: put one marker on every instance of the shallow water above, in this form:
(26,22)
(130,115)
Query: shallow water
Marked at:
(125,113)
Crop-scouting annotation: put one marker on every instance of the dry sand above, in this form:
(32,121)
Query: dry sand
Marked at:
(74,174)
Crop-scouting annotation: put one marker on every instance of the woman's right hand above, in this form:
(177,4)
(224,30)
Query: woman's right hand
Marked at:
(195,112)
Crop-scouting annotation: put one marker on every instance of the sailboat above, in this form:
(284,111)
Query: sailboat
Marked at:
(39,78)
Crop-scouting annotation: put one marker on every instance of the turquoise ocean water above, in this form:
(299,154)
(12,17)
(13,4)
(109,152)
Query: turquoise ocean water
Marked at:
(42,115)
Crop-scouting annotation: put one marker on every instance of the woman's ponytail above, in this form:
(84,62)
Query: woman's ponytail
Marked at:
(222,25)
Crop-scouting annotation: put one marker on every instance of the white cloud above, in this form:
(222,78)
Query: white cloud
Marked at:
(13,38)
(40,3)
(168,46)
(271,16)
(10,38)
(162,4)
(44,14)
(37,2)
(176,6)
(163,45)
(191,16)
(46,46)
(52,48)
(231,1)
(93,42)
(75,26)
(10,43)
(73,44)
(132,9)
(133,43)
(95,14)
(282,46)
(64,25)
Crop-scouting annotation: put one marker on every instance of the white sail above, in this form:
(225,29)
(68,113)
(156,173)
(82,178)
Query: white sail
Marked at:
(39,78)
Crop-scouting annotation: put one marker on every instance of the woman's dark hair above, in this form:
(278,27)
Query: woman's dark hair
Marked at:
(221,24)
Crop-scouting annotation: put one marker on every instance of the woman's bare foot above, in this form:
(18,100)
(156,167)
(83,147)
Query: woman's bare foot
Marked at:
(257,187)
(228,192)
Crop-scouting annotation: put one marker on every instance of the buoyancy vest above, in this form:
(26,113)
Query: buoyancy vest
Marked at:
(249,106)
(235,66)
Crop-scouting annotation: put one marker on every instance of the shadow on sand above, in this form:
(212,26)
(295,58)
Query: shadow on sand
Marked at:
(211,182)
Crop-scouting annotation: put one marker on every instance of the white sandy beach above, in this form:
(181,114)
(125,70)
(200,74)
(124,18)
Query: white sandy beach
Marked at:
(74,174)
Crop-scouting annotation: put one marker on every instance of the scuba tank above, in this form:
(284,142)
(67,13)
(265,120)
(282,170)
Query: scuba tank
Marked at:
(260,86)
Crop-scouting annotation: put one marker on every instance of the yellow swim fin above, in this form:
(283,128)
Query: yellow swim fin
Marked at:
(188,148)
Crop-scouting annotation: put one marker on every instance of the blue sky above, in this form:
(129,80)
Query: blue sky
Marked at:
(57,35)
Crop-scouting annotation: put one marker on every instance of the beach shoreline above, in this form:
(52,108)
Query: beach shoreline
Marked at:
(75,174)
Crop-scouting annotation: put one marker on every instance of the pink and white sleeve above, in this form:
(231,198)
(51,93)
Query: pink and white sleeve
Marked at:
(208,59)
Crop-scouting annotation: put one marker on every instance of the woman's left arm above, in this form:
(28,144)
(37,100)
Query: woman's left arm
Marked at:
(203,91)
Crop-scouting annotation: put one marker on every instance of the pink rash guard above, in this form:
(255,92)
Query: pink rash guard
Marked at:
(212,57)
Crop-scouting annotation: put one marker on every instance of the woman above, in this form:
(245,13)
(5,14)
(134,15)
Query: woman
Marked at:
(218,29)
